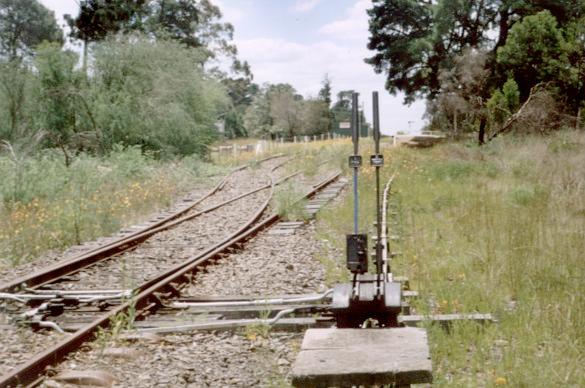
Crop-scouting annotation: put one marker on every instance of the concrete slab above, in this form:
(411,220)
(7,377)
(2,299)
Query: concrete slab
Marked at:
(355,357)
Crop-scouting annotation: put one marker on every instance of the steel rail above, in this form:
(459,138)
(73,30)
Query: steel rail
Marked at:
(147,299)
(124,244)
(132,243)
(29,372)
(177,214)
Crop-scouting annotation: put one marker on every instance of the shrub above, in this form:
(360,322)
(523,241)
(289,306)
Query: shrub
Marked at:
(55,206)
(155,95)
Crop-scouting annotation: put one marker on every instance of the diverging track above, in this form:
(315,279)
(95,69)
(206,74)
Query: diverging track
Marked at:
(158,268)
(220,195)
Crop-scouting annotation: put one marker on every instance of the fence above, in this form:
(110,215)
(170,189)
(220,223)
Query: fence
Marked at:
(262,146)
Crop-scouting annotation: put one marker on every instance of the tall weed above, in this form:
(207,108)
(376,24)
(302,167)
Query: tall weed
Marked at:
(509,242)
(58,206)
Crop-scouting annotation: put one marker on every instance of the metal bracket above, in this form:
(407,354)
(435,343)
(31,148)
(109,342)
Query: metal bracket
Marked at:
(353,304)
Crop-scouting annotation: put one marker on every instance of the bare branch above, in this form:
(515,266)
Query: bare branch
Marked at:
(512,119)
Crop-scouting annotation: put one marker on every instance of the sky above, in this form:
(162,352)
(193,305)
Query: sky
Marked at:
(299,41)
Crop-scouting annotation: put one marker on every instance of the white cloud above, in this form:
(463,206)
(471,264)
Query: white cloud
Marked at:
(340,54)
(230,14)
(353,26)
(304,5)
(303,65)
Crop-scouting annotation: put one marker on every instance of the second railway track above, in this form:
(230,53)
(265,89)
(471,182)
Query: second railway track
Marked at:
(221,193)
(152,270)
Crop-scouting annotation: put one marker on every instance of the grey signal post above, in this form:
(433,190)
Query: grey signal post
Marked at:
(377,160)
(357,244)
(356,160)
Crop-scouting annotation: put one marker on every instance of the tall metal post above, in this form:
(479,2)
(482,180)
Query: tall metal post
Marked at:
(357,244)
(355,137)
(377,160)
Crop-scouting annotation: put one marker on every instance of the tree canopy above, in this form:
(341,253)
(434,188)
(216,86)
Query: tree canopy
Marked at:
(278,110)
(194,23)
(98,18)
(24,24)
(417,44)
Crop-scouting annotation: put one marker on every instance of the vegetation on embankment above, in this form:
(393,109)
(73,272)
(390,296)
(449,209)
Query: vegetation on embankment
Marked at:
(45,205)
(497,229)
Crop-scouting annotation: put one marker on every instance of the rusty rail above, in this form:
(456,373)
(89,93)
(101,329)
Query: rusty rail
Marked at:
(147,300)
(124,244)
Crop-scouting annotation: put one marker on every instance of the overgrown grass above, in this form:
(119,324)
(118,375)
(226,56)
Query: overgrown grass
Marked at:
(45,205)
(289,203)
(319,152)
(497,229)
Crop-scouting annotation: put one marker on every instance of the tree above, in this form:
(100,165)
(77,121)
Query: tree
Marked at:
(98,18)
(257,119)
(315,115)
(156,95)
(195,23)
(503,103)
(460,102)
(325,96)
(285,109)
(325,92)
(415,40)
(535,52)
(14,80)
(241,90)
(418,44)
(342,108)
(58,96)
(24,24)
(278,110)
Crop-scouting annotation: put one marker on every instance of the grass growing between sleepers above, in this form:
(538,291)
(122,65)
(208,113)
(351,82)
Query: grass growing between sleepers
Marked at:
(499,229)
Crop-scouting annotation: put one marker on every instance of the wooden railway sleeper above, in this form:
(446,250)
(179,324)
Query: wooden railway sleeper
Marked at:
(146,301)
(178,286)
(172,290)
(157,299)
(147,310)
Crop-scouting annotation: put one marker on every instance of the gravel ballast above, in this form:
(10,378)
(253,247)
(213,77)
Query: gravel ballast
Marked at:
(266,265)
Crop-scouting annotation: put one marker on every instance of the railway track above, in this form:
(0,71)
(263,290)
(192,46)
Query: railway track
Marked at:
(219,195)
(58,292)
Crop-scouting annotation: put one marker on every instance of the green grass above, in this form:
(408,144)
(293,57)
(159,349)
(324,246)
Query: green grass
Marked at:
(499,229)
(290,203)
(45,205)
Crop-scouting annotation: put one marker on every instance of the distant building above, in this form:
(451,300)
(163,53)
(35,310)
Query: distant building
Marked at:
(344,129)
